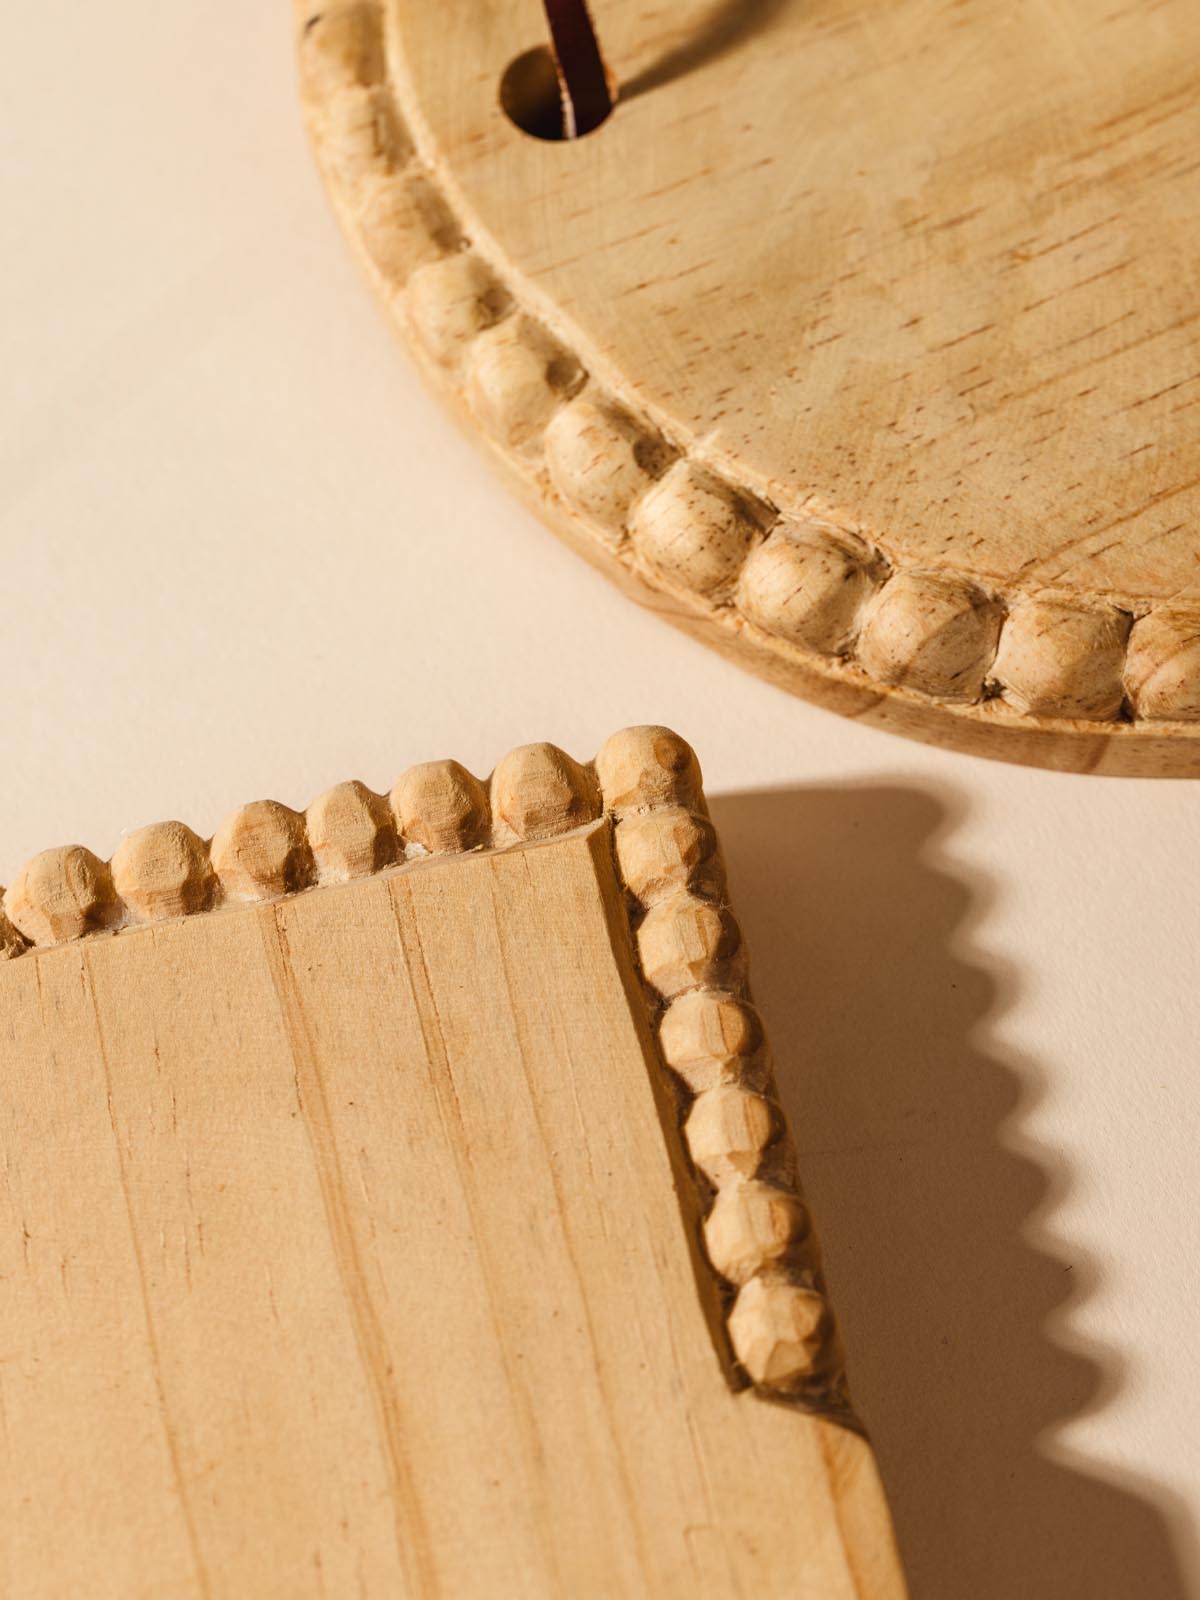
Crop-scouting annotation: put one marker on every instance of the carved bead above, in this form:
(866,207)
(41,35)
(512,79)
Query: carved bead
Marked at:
(440,806)
(351,833)
(516,378)
(693,529)
(599,461)
(648,766)
(808,586)
(1162,669)
(537,790)
(405,223)
(931,633)
(661,851)
(261,852)
(1059,659)
(709,1038)
(62,894)
(164,871)
(364,141)
(451,300)
(12,941)
(782,1333)
(684,941)
(728,1129)
(752,1225)
(341,46)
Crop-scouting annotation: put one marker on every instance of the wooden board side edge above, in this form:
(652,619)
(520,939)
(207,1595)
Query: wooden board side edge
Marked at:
(1043,678)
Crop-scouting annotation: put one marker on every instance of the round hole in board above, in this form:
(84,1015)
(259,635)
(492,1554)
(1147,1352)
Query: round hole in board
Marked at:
(531,98)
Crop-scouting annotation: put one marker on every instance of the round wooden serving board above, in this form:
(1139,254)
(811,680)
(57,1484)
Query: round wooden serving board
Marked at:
(862,340)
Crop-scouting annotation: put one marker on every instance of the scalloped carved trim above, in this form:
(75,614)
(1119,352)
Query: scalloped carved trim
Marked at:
(1029,677)
(647,782)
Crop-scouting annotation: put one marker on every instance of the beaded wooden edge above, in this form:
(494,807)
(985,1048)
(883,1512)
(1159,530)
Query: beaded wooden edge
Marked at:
(647,782)
(1035,677)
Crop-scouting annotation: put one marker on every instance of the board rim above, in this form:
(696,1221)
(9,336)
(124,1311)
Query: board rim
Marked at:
(1039,677)
(762,1282)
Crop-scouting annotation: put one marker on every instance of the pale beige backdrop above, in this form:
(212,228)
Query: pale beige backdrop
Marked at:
(244,555)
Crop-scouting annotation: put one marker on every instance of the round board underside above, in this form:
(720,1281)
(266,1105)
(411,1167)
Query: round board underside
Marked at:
(861,341)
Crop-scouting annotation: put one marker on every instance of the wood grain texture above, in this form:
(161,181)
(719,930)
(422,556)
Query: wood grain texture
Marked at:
(861,342)
(426,1228)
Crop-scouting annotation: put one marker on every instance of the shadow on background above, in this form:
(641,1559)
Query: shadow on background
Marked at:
(905,1123)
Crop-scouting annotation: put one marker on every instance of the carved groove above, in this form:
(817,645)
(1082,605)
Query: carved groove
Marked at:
(804,590)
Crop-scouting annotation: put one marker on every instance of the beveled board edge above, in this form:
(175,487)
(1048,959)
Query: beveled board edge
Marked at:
(646,781)
(1039,677)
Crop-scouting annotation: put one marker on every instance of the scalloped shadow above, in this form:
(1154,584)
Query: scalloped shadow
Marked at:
(904,1115)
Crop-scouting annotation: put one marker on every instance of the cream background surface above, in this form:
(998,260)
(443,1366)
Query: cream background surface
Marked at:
(245,554)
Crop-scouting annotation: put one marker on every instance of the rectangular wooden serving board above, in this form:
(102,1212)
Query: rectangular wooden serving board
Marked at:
(362,1240)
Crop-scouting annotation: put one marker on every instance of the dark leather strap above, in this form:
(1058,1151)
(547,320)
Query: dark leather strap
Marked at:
(587,99)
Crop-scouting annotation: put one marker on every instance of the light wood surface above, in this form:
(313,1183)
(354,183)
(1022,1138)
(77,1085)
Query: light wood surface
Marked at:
(431,1232)
(859,340)
(164,382)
